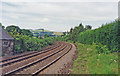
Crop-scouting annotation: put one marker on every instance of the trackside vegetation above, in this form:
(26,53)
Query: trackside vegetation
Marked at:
(90,62)
(24,40)
(97,49)
(24,43)
(106,35)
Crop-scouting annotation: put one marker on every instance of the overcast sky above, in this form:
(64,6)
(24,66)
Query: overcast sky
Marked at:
(58,16)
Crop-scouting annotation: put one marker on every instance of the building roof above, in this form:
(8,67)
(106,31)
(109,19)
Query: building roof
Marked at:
(4,35)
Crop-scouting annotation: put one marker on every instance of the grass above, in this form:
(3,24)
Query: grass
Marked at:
(90,62)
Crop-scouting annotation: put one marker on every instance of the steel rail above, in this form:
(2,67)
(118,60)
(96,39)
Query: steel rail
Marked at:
(1,61)
(30,64)
(55,60)
(26,57)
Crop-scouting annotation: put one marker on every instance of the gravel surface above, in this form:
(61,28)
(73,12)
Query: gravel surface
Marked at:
(24,57)
(12,56)
(63,65)
(24,62)
(41,64)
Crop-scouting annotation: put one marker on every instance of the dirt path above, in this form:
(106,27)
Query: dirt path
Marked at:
(63,65)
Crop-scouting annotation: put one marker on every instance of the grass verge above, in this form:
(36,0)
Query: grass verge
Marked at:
(90,62)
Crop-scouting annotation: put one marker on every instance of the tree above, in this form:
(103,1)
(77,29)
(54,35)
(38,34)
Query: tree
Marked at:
(71,30)
(15,29)
(106,35)
(46,35)
(74,32)
(64,33)
(26,32)
(88,27)
(3,27)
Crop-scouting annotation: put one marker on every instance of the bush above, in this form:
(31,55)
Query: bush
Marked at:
(26,43)
(106,35)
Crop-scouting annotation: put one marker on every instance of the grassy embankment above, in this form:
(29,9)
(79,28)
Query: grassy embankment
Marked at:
(90,62)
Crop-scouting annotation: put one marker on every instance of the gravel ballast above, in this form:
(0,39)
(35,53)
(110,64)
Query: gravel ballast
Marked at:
(63,65)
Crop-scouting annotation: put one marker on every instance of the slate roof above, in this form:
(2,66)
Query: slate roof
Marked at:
(4,35)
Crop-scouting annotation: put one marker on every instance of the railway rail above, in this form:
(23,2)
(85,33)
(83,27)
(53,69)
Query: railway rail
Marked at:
(25,54)
(23,57)
(26,61)
(37,63)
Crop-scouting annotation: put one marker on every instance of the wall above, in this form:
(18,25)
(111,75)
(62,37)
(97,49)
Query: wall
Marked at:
(7,47)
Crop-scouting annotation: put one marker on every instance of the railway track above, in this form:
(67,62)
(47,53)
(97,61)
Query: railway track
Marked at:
(13,60)
(25,54)
(35,64)
(26,61)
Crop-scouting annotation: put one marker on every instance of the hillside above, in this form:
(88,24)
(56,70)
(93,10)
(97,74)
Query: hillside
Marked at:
(40,32)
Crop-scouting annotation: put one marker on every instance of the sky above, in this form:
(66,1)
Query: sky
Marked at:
(57,16)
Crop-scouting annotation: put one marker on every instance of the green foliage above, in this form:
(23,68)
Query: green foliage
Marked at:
(102,49)
(25,42)
(106,35)
(97,54)
(14,30)
(46,35)
(88,27)
(90,62)
(1,26)
(61,38)
(26,32)
(78,29)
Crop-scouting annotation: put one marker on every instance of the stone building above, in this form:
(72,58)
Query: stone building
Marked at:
(6,43)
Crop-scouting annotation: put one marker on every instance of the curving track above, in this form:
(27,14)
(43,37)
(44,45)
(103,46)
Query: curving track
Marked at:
(34,63)
(26,56)
(28,53)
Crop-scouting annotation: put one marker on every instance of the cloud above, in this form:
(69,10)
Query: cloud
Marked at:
(57,16)
(60,0)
